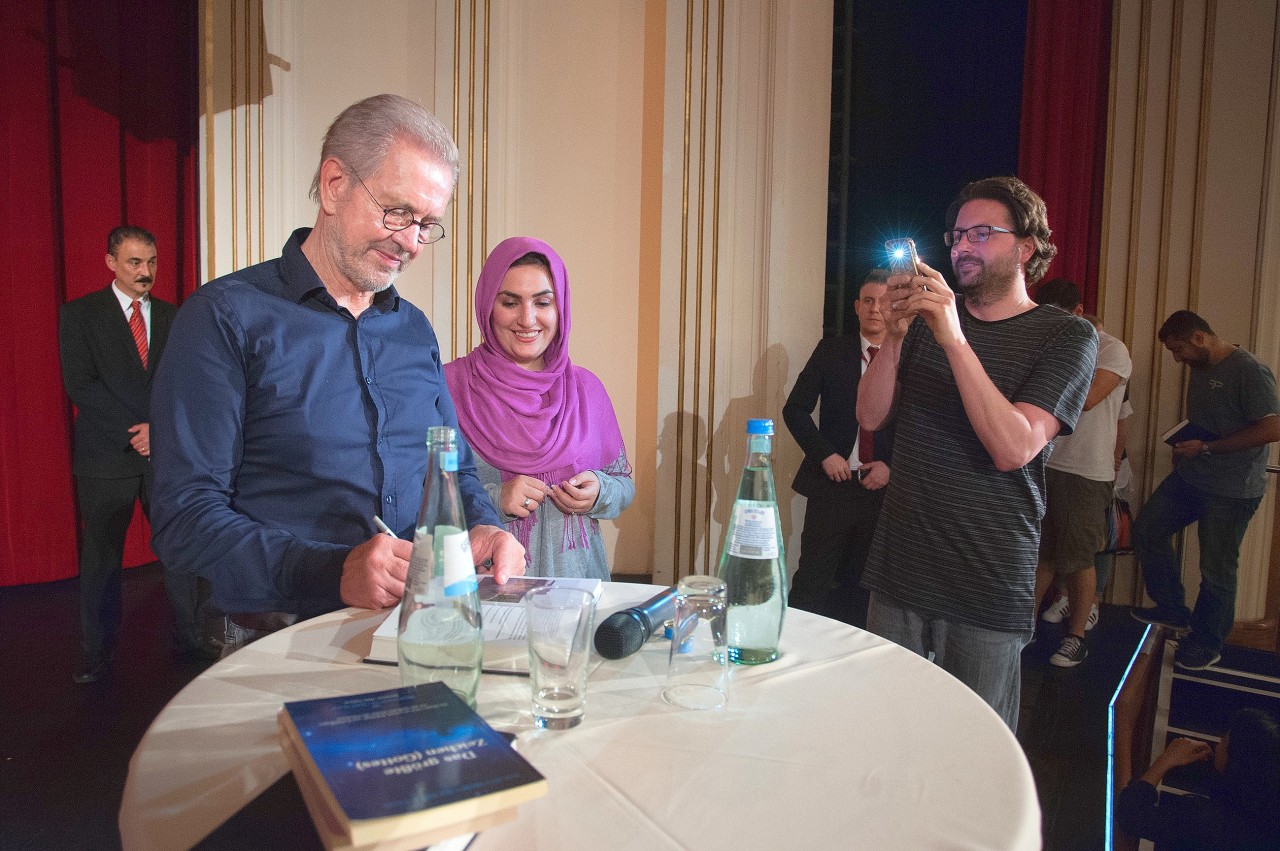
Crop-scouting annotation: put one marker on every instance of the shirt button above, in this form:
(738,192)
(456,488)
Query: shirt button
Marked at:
(388,500)
(368,381)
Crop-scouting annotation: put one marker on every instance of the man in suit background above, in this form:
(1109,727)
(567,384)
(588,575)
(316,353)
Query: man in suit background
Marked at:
(110,342)
(843,473)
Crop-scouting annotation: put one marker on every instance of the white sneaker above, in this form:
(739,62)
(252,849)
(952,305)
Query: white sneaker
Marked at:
(1093,618)
(1057,610)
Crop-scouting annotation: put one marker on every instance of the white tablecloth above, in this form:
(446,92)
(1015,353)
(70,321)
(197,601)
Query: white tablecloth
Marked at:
(847,741)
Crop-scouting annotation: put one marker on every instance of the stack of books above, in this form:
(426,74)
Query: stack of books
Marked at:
(402,768)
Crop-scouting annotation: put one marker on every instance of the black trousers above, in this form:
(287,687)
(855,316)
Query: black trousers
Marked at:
(835,541)
(106,508)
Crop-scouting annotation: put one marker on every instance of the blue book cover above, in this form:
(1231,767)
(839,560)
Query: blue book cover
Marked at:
(1187,430)
(407,759)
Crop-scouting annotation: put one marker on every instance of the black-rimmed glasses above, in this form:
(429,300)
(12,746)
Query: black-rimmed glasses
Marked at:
(398,219)
(976,234)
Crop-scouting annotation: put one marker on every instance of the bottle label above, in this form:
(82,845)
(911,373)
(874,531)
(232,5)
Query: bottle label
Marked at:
(449,460)
(454,551)
(755,531)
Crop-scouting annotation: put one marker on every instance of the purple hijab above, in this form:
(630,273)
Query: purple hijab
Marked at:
(551,424)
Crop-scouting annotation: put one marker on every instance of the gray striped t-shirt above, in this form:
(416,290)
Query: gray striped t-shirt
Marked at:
(958,538)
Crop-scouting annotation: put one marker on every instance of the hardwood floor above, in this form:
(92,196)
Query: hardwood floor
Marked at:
(65,748)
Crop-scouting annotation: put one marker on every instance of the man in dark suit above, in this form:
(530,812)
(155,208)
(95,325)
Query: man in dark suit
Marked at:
(843,473)
(110,342)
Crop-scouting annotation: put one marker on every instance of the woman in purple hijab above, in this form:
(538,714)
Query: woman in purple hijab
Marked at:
(547,443)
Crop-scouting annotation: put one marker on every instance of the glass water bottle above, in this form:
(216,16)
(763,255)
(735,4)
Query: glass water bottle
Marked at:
(753,562)
(440,636)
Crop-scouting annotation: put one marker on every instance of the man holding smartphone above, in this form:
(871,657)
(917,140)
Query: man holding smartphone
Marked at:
(977,382)
(844,471)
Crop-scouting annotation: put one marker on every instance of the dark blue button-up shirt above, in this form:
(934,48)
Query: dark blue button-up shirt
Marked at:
(280,424)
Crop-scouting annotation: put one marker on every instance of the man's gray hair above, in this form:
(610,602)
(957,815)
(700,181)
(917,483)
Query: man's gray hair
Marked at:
(363,134)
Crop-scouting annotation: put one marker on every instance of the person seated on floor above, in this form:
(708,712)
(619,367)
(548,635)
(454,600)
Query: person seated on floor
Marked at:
(1241,813)
(547,443)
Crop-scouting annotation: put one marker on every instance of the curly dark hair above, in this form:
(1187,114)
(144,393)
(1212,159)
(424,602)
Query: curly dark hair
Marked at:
(1026,209)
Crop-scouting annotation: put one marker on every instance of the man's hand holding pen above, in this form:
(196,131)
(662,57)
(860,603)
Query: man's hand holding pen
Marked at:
(373,574)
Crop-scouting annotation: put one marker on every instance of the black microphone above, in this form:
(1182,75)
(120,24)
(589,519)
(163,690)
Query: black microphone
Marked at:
(625,632)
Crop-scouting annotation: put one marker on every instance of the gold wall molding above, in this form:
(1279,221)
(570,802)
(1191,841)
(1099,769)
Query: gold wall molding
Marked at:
(699,282)
(1189,220)
(235,83)
(675,157)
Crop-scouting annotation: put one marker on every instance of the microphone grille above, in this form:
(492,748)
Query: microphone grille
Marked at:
(620,635)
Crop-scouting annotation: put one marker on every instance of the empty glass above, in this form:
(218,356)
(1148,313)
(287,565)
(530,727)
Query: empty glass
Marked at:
(698,667)
(559,624)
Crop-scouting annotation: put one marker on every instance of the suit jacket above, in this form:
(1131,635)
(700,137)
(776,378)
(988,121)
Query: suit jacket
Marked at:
(104,377)
(831,375)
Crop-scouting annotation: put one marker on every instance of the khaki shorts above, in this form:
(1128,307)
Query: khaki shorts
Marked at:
(1074,528)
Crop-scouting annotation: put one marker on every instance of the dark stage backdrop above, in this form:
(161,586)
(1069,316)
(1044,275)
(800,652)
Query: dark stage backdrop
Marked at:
(99,129)
(929,95)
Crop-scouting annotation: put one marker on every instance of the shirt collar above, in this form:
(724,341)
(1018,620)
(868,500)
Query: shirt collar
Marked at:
(302,282)
(866,344)
(126,300)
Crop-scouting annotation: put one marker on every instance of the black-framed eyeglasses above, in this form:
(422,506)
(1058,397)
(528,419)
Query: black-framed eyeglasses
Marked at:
(976,234)
(398,219)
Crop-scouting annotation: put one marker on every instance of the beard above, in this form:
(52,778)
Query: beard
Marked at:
(1200,361)
(991,282)
(356,267)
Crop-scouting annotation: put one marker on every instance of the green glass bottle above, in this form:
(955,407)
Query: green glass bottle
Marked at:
(440,635)
(753,562)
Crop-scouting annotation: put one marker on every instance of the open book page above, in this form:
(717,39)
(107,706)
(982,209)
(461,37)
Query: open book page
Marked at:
(502,611)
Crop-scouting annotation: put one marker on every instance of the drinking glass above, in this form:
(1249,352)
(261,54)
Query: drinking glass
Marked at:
(698,667)
(559,626)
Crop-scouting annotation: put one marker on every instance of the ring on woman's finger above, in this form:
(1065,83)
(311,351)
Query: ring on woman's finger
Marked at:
(526,502)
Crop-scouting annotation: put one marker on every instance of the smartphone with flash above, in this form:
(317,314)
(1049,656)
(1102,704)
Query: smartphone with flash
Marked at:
(903,259)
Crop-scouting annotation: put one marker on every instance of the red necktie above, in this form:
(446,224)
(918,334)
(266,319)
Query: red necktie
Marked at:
(139,329)
(867,439)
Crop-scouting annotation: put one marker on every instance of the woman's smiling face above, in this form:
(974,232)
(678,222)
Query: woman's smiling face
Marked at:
(525,318)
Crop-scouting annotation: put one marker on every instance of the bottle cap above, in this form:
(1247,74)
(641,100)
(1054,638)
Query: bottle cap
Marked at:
(759,426)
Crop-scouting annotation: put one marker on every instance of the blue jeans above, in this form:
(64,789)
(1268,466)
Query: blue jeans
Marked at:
(1223,520)
(237,635)
(987,661)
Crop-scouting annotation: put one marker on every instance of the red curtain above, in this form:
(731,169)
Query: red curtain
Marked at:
(98,128)
(1062,153)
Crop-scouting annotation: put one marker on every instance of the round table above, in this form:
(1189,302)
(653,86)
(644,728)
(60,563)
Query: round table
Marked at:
(846,741)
